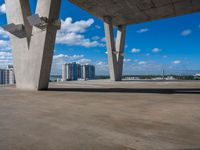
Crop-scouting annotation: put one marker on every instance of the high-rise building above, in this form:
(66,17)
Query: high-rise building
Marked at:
(88,72)
(7,75)
(74,71)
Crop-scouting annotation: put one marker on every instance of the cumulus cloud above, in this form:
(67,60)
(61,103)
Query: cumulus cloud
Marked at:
(3,33)
(4,40)
(4,45)
(176,62)
(5,50)
(142,30)
(3,8)
(127,60)
(156,50)
(135,50)
(101,67)
(5,59)
(142,63)
(60,59)
(95,38)
(71,34)
(103,39)
(186,32)
(76,27)
(97,26)
(76,39)
(5,54)
(147,68)
(84,61)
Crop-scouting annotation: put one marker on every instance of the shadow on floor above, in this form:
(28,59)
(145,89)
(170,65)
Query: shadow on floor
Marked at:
(130,90)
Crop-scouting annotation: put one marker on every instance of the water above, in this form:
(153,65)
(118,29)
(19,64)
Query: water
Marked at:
(55,77)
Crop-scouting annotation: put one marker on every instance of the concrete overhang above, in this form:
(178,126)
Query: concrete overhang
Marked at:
(125,12)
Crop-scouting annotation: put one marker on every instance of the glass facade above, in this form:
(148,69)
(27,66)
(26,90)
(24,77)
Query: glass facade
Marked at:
(7,76)
(74,71)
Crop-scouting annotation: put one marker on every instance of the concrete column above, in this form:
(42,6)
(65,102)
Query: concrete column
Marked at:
(120,42)
(33,54)
(115,52)
(110,43)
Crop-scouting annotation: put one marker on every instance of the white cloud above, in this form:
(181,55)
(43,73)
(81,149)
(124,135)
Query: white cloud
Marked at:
(76,27)
(71,34)
(186,32)
(4,45)
(95,38)
(103,39)
(100,63)
(156,50)
(142,63)
(4,40)
(84,61)
(127,60)
(97,26)
(74,39)
(3,8)
(60,59)
(142,30)
(3,33)
(101,67)
(5,59)
(176,62)
(147,68)
(5,54)
(135,50)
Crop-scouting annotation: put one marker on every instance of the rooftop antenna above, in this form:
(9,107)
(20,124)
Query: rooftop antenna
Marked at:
(163,74)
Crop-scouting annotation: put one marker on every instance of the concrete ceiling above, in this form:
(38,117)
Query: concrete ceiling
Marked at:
(137,11)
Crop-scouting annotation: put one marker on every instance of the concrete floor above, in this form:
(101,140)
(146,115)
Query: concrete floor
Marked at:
(101,115)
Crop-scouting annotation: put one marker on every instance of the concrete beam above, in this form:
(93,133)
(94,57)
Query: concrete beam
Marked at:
(137,11)
(33,54)
(115,52)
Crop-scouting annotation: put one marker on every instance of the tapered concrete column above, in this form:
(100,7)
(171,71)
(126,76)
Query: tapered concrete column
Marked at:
(120,42)
(110,43)
(115,52)
(32,54)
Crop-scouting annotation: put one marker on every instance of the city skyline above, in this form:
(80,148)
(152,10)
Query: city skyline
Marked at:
(168,43)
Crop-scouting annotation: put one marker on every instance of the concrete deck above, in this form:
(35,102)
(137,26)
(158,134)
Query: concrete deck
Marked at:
(101,115)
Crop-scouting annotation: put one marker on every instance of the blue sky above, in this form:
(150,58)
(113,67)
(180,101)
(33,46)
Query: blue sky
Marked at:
(172,44)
